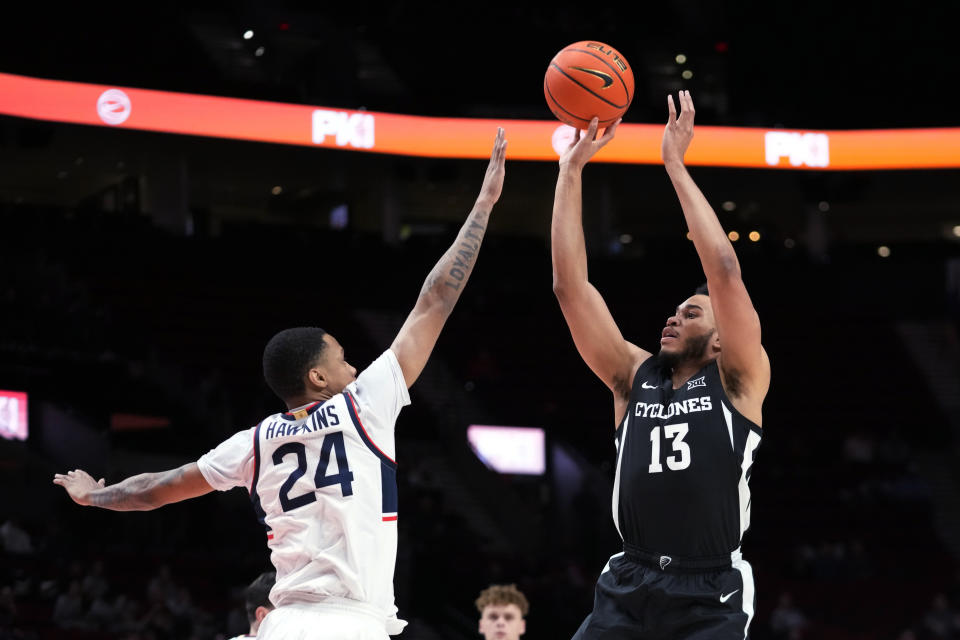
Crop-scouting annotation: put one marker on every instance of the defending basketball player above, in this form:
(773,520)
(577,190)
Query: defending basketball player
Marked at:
(322,475)
(687,420)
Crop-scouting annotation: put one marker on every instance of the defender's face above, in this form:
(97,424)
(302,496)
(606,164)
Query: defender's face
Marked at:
(692,319)
(502,622)
(337,371)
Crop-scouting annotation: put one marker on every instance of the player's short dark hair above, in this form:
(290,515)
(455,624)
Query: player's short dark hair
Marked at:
(503,594)
(287,358)
(702,290)
(258,594)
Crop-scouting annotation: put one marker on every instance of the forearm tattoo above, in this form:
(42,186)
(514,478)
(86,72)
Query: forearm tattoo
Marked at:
(448,276)
(134,493)
(464,254)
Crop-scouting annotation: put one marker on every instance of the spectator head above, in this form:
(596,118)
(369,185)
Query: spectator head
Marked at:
(258,599)
(502,611)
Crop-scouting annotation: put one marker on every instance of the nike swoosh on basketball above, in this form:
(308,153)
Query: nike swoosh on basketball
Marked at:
(724,598)
(646,386)
(606,77)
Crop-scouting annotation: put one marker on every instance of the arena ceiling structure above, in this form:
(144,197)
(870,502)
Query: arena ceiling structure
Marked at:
(815,66)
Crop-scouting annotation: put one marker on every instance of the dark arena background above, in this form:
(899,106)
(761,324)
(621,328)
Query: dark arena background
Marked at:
(142,272)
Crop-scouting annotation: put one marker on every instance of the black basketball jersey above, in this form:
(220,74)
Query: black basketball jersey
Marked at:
(683,463)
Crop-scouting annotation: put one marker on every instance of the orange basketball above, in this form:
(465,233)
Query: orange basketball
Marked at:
(588,79)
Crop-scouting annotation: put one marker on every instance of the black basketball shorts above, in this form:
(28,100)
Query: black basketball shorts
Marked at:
(636,599)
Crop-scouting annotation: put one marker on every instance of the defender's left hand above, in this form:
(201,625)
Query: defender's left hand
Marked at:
(493,179)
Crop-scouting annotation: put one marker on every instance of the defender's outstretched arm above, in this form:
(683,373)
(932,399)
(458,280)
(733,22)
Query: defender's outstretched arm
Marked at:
(142,492)
(446,280)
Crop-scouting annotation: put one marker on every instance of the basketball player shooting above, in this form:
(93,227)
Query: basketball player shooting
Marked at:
(321,475)
(687,421)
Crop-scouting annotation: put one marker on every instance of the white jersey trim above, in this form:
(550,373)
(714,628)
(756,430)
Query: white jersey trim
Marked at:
(753,441)
(616,479)
(749,588)
(606,567)
(728,418)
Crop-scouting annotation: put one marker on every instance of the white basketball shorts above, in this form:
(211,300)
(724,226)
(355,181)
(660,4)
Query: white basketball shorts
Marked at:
(313,622)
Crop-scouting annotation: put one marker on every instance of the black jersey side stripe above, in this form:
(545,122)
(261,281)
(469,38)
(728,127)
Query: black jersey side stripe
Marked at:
(388,468)
(254,496)
(367,440)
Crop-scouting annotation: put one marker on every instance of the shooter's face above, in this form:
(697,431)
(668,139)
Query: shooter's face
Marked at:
(689,331)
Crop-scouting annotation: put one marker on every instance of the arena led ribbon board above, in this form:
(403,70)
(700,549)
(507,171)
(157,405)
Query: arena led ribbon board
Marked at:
(466,138)
(13,415)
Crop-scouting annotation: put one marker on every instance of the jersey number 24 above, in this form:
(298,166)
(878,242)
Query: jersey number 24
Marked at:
(332,443)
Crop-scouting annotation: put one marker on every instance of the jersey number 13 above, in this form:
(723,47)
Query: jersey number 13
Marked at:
(675,433)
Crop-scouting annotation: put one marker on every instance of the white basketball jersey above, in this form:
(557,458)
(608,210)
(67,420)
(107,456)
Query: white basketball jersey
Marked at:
(322,479)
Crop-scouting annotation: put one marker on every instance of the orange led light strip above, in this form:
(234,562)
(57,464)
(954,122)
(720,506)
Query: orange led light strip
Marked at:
(233,118)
